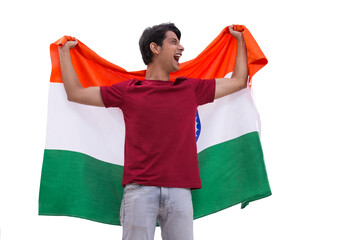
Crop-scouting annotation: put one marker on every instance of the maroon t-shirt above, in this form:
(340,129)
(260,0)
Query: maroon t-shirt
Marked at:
(160,141)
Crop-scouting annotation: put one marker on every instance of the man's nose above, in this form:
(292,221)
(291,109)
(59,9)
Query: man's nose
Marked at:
(181,48)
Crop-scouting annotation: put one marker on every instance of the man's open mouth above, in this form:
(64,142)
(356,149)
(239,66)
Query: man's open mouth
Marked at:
(177,57)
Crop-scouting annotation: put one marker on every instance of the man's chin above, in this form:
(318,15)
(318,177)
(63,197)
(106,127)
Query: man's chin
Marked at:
(175,69)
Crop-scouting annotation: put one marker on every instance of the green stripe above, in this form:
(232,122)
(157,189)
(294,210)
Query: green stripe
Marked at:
(75,184)
(231,172)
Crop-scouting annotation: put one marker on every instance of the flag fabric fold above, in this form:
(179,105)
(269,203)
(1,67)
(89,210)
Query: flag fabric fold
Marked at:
(83,157)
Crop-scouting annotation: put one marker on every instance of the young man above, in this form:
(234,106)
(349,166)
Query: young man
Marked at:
(160,166)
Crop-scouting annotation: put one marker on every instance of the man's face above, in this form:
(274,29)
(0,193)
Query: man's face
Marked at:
(171,51)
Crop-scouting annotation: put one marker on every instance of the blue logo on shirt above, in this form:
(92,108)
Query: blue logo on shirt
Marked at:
(197,125)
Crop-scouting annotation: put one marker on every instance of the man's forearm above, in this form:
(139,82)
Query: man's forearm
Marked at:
(239,77)
(241,70)
(68,74)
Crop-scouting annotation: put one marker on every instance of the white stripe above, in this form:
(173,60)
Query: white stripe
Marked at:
(99,132)
(95,131)
(227,118)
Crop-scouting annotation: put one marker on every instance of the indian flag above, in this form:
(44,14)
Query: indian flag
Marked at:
(84,152)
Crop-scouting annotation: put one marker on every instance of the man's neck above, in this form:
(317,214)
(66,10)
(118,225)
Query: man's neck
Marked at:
(154,72)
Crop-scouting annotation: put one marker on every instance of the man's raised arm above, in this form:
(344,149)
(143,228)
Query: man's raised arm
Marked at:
(239,77)
(74,90)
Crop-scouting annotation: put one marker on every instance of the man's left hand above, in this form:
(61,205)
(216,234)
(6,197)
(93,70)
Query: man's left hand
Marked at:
(236,34)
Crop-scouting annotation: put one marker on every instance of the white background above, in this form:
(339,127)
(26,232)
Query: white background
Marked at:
(307,97)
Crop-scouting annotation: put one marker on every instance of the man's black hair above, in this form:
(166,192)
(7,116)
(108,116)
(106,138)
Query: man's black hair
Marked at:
(157,35)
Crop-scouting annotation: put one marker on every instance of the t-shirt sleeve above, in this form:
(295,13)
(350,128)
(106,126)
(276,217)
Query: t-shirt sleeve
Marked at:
(113,96)
(204,90)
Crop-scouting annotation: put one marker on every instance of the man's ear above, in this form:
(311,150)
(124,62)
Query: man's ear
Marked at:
(154,48)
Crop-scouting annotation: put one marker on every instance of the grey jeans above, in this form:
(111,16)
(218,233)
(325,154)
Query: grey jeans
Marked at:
(143,205)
